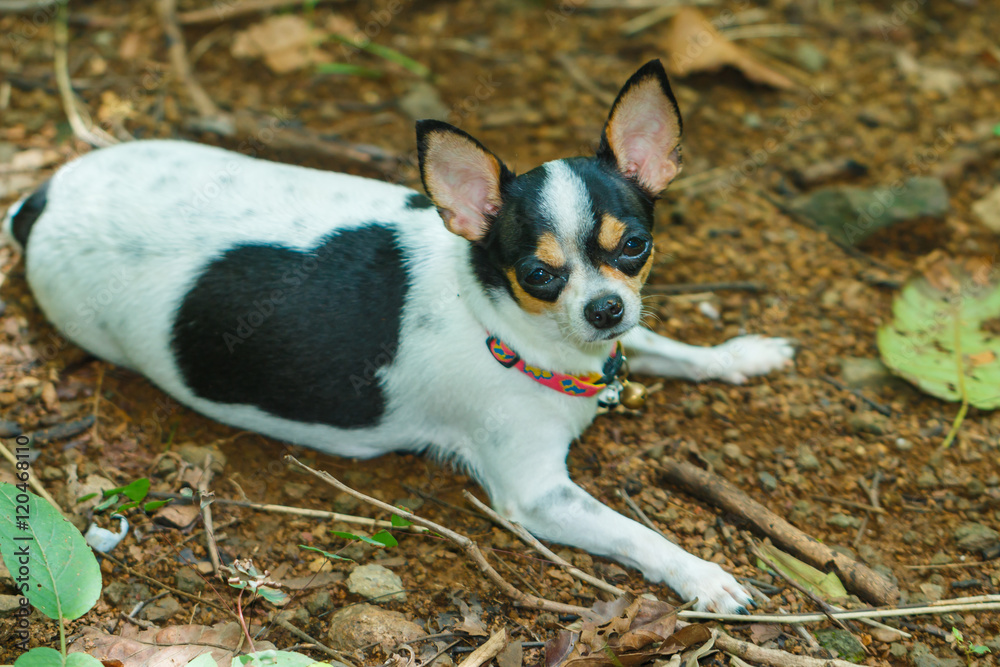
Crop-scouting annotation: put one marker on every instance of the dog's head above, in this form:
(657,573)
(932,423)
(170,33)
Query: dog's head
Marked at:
(570,242)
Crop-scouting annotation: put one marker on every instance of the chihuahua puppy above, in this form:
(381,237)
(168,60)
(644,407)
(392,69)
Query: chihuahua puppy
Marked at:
(338,313)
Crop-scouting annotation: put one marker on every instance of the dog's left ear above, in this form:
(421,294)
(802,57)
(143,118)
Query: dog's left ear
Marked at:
(643,133)
(461,177)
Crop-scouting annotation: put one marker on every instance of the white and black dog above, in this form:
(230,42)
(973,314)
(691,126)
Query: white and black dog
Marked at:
(337,312)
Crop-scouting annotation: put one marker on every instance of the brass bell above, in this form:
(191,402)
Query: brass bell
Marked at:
(633,395)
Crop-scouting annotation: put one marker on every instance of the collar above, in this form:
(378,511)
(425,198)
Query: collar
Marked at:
(573,385)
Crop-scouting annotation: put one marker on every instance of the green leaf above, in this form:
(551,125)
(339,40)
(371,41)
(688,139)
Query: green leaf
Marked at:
(127,506)
(349,70)
(326,553)
(957,634)
(399,522)
(110,501)
(375,541)
(275,659)
(392,55)
(82,660)
(945,333)
(203,660)
(385,538)
(275,596)
(979,649)
(138,489)
(63,578)
(83,499)
(41,656)
(154,505)
(825,585)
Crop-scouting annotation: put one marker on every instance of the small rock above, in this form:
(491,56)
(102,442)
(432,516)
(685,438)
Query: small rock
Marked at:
(693,407)
(801,510)
(363,624)
(319,602)
(897,651)
(932,592)
(911,537)
(297,490)
(375,581)
(975,487)
(188,580)
(976,537)
(867,422)
(807,459)
(987,210)
(196,454)
(547,620)
(297,616)
(9,429)
(423,101)
(767,481)
(161,610)
(921,656)
(841,520)
(731,452)
(927,479)
(864,373)
(847,647)
(903,445)
(9,604)
(809,57)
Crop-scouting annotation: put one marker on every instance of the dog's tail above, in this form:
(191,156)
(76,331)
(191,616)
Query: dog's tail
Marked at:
(21,216)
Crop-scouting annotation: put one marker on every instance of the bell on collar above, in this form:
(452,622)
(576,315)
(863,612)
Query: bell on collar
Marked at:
(632,395)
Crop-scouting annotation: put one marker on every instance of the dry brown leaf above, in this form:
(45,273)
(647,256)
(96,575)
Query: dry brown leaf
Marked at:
(471,623)
(163,647)
(694,45)
(764,632)
(178,516)
(286,42)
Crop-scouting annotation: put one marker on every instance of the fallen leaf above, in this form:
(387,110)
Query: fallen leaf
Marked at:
(764,632)
(929,79)
(471,623)
(286,42)
(824,584)
(945,333)
(695,45)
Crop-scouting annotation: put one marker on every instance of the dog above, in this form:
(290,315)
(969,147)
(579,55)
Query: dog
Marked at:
(339,313)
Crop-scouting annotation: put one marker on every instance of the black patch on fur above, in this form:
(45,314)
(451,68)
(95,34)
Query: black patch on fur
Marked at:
(299,335)
(418,201)
(29,212)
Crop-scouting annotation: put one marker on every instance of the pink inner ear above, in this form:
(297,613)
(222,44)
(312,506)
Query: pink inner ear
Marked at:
(464,182)
(643,133)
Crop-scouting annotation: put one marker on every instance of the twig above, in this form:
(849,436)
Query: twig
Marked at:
(337,655)
(206,510)
(94,136)
(645,520)
(220,12)
(94,436)
(156,582)
(443,503)
(857,577)
(960,367)
(694,288)
(762,30)
(211,116)
(470,548)
(32,481)
(487,651)
(772,657)
(873,404)
(533,542)
(942,607)
(951,566)
(823,605)
(849,503)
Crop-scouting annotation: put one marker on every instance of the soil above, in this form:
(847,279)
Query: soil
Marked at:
(788,439)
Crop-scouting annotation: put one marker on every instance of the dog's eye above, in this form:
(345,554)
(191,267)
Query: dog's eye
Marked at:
(634,247)
(538,277)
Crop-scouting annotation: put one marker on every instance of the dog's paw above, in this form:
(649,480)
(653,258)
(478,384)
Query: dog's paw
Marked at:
(717,590)
(747,356)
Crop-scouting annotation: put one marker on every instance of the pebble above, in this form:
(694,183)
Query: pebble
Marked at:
(767,481)
(9,604)
(987,210)
(844,643)
(921,656)
(864,373)
(809,57)
(911,537)
(807,459)
(732,453)
(867,422)
(363,624)
(319,603)
(693,407)
(196,454)
(927,479)
(976,537)
(422,100)
(933,592)
(162,610)
(903,445)
(375,581)
(841,520)
(188,580)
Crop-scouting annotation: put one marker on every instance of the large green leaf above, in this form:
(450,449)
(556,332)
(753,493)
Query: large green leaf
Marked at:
(61,573)
(275,659)
(824,584)
(43,656)
(945,333)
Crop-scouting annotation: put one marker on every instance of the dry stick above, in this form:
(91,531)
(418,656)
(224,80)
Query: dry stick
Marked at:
(94,436)
(206,511)
(872,403)
(178,58)
(858,614)
(219,13)
(950,566)
(850,503)
(337,655)
(533,542)
(694,288)
(487,651)
(772,657)
(175,591)
(470,548)
(818,601)
(94,136)
(32,481)
(858,578)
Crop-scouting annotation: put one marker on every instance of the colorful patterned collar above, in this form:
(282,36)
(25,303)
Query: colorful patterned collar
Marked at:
(573,385)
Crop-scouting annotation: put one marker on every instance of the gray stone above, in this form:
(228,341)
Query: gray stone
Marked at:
(767,481)
(864,373)
(809,57)
(921,656)
(976,537)
(188,580)
(693,407)
(927,479)
(423,101)
(807,459)
(375,581)
(867,422)
(847,647)
(903,445)
(9,604)
(319,602)
(843,520)
(364,624)
(162,610)
(851,214)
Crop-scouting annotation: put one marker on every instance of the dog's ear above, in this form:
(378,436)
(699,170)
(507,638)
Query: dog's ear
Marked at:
(461,176)
(643,133)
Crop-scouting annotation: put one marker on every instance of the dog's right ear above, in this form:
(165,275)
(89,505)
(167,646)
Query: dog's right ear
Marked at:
(461,176)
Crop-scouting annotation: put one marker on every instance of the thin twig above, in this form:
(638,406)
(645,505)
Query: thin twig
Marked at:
(337,655)
(849,503)
(487,651)
(857,614)
(206,510)
(772,657)
(94,436)
(156,582)
(32,481)
(645,520)
(952,566)
(694,288)
(94,136)
(533,542)
(873,404)
(470,548)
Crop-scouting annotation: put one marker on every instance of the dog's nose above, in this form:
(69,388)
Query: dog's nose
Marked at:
(605,311)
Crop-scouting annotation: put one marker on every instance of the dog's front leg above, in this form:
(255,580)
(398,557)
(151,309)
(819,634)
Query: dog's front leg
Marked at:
(529,484)
(733,361)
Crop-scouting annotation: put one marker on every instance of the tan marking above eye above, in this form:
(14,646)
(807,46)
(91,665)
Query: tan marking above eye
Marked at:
(635,282)
(527,302)
(549,251)
(612,230)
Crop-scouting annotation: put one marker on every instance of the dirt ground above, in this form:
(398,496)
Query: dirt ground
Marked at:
(533,81)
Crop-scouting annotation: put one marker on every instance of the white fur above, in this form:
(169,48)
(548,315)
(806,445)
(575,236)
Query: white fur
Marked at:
(118,247)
